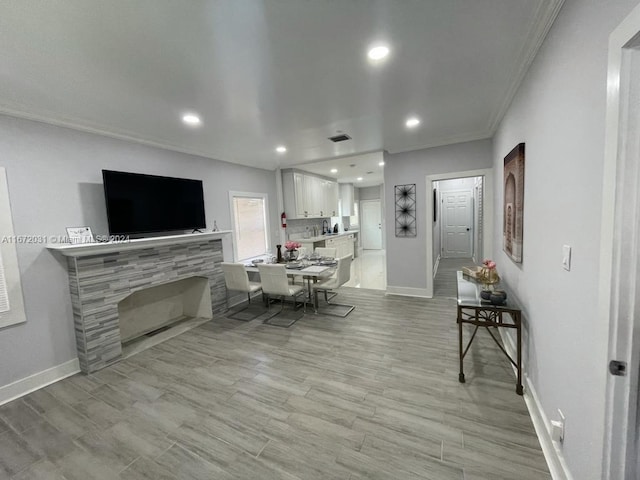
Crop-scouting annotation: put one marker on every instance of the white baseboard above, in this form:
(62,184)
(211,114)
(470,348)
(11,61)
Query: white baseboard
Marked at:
(435,267)
(553,455)
(408,291)
(38,380)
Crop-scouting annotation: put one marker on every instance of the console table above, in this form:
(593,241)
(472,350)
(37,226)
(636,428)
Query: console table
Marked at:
(473,310)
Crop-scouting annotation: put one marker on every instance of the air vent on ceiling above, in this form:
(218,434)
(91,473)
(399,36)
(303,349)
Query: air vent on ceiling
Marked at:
(340,138)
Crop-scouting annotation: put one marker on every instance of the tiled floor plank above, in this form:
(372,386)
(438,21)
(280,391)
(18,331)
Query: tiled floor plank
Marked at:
(372,395)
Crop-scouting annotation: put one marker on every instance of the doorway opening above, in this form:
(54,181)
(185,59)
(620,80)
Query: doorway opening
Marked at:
(371,224)
(459,218)
(458,208)
(619,279)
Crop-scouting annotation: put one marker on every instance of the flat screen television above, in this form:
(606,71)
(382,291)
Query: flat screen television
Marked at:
(138,203)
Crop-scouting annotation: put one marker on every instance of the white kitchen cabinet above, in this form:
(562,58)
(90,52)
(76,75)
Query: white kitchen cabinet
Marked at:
(330,190)
(298,188)
(313,194)
(308,196)
(346,199)
(292,192)
(343,245)
(350,247)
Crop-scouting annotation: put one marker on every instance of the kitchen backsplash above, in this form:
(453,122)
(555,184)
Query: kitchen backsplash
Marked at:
(304,227)
(298,228)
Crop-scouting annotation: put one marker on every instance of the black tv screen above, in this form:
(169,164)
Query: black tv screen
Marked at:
(138,203)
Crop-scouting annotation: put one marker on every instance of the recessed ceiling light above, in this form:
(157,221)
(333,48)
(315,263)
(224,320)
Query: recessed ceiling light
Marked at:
(381,164)
(334,170)
(281,149)
(412,122)
(378,52)
(359,179)
(191,119)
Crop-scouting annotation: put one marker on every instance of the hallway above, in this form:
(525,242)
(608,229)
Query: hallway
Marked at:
(444,285)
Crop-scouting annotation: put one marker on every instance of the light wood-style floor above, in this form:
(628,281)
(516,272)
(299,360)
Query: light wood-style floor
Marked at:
(373,395)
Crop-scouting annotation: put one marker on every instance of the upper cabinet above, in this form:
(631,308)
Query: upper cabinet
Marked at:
(308,196)
(346,199)
(330,189)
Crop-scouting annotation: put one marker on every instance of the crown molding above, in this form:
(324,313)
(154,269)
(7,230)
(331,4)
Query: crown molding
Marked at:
(444,141)
(106,132)
(546,14)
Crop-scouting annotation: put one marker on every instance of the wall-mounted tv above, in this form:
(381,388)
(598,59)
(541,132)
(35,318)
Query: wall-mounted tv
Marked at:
(138,203)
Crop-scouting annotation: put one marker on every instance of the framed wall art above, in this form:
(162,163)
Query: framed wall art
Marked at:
(405,196)
(513,203)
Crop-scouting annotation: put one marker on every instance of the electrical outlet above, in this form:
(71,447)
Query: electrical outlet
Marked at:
(557,428)
(566,257)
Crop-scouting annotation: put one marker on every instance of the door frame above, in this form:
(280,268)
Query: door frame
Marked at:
(379,202)
(487,209)
(472,228)
(618,278)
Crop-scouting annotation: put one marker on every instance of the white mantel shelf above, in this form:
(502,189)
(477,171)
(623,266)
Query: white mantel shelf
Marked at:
(98,248)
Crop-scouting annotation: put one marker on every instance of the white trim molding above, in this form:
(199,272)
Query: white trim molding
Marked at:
(99,248)
(553,455)
(435,267)
(546,14)
(234,227)
(619,254)
(34,382)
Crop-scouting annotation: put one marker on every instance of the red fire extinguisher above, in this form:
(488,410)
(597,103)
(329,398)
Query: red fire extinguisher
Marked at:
(283,220)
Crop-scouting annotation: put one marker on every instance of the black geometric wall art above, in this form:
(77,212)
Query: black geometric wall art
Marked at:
(405,210)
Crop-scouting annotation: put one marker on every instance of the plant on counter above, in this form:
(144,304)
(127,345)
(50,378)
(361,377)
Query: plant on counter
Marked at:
(290,245)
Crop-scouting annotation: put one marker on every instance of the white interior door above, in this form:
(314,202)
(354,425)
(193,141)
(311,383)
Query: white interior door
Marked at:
(620,271)
(371,225)
(456,224)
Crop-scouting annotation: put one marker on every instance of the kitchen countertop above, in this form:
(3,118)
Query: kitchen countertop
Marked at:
(321,238)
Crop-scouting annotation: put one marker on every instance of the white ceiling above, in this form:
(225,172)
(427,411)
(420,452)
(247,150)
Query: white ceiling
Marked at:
(349,169)
(267,72)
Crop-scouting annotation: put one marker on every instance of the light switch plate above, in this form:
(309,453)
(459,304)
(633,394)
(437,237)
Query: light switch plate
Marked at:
(566,257)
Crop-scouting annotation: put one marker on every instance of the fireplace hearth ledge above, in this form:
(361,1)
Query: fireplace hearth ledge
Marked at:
(101,275)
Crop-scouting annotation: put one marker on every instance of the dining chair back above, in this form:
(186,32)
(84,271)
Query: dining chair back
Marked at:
(237,279)
(275,283)
(342,276)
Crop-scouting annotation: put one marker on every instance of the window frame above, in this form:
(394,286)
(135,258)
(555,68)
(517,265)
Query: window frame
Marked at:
(234,226)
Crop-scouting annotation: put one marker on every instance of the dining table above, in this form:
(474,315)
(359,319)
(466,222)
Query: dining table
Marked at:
(310,270)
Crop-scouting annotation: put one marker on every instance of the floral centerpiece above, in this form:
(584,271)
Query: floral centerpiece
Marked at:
(488,275)
(292,249)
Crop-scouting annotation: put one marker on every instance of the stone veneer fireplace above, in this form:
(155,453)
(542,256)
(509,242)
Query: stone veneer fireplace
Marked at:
(104,277)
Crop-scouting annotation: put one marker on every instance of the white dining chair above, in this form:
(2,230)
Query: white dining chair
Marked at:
(341,276)
(326,251)
(275,283)
(237,279)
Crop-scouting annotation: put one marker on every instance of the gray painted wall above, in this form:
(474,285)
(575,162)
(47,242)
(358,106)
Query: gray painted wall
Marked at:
(405,255)
(55,181)
(370,193)
(559,112)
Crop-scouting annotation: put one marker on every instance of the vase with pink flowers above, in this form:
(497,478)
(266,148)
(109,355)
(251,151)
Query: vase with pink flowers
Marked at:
(488,275)
(292,250)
